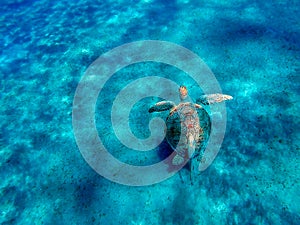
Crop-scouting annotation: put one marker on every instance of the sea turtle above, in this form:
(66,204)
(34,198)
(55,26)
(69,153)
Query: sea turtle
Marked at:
(187,124)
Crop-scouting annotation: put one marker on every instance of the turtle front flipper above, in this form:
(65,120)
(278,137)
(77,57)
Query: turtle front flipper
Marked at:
(213,98)
(162,106)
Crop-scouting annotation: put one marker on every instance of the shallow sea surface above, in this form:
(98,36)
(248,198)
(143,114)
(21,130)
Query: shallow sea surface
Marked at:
(253,49)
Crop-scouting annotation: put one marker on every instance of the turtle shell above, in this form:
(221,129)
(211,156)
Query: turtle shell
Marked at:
(184,121)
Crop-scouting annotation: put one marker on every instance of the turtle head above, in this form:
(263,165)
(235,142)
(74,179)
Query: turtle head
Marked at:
(183,92)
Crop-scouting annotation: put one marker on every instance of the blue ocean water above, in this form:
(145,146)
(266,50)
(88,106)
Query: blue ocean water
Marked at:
(253,49)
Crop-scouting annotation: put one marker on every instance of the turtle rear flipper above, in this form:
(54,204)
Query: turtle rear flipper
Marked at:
(183,154)
(213,98)
(177,160)
(162,106)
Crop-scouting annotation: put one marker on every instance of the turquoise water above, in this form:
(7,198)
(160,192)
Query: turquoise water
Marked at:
(253,49)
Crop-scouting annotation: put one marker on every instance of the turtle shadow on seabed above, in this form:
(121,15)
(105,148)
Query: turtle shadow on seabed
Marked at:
(165,150)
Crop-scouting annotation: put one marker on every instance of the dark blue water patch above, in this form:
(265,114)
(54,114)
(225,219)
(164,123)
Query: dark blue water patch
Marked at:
(219,184)
(251,151)
(16,69)
(269,127)
(288,217)
(232,30)
(51,49)
(265,126)
(17,199)
(19,158)
(17,30)
(3,137)
(72,85)
(294,81)
(159,15)
(45,116)
(92,9)
(56,219)
(88,12)
(279,99)
(21,199)
(85,194)
(136,32)
(47,112)
(252,210)
(181,210)
(242,30)
(13,69)
(162,13)
(21,36)
(40,139)
(16,5)
(87,59)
